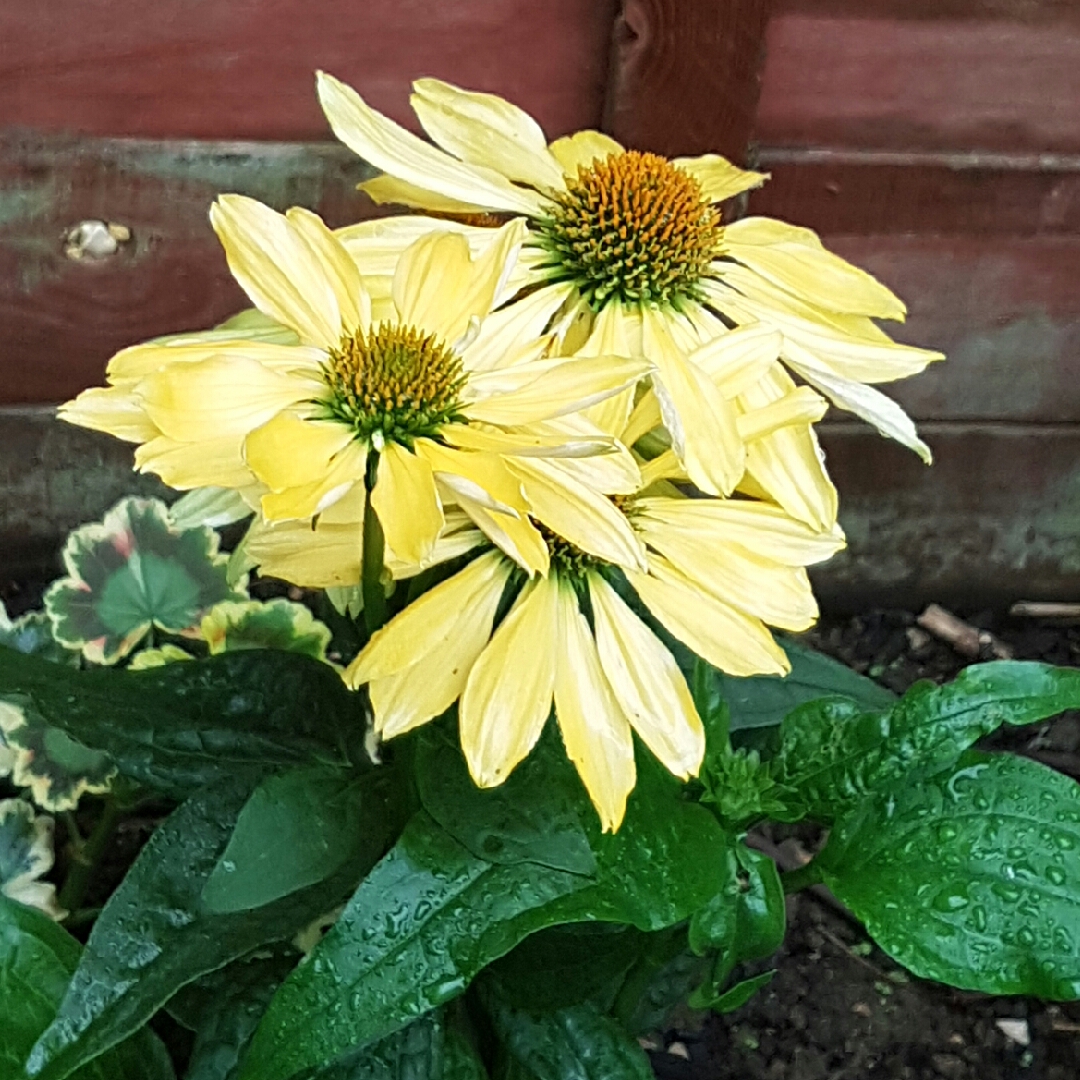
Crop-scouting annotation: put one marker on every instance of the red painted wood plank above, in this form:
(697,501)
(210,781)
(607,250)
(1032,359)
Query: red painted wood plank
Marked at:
(995,519)
(907,85)
(60,320)
(878,192)
(243,69)
(1015,10)
(685,75)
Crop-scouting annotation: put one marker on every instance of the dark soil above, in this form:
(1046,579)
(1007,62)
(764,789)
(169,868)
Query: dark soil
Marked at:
(838,1008)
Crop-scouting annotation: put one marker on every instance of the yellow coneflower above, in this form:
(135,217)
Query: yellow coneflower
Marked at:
(626,254)
(408,410)
(717,571)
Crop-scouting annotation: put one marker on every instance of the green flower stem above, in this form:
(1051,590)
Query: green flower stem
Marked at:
(801,878)
(88,855)
(371,568)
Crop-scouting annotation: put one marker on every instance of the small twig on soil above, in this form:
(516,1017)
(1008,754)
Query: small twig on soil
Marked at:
(837,943)
(964,638)
(1040,609)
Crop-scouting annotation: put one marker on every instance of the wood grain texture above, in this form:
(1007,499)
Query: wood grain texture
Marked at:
(910,85)
(61,320)
(243,69)
(685,75)
(996,518)
(1013,10)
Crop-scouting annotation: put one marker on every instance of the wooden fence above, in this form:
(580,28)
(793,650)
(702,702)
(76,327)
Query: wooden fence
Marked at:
(935,142)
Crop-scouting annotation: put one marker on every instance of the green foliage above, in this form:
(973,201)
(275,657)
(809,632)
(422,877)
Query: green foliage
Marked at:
(36,961)
(970,877)
(274,624)
(835,752)
(574,1043)
(132,571)
(764,700)
(57,769)
(744,920)
(32,634)
(156,933)
(473,875)
(178,727)
(26,853)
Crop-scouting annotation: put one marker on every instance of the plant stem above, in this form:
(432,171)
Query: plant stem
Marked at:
(371,565)
(87,857)
(801,878)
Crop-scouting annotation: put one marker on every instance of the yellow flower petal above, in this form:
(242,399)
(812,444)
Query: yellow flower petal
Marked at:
(112,409)
(389,189)
(429,687)
(183,465)
(279,268)
(130,365)
(719,179)
(439,287)
(778,595)
(291,450)
(306,500)
(326,557)
(801,406)
(544,389)
(508,696)
(700,420)
(720,634)
(376,244)
(578,513)
(212,398)
(647,683)
(527,441)
(429,624)
(581,149)
(512,534)
(407,503)
(387,146)
(737,359)
(595,731)
(338,266)
(483,129)
(757,527)
(788,465)
(795,260)
(517,333)
(482,477)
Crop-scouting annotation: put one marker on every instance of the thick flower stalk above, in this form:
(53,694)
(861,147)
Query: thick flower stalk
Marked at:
(715,573)
(409,411)
(626,254)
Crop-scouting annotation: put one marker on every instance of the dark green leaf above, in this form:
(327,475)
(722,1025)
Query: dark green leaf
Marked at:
(971,878)
(297,829)
(273,624)
(745,920)
(834,751)
(575,1043)
(32,634)
(178,727)
(153,936)
(741,993)
(646,1004)
(36,961)
(225,1007)
(456,894)
(764,700)
(431,1048)
(569,965)
(420,926)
